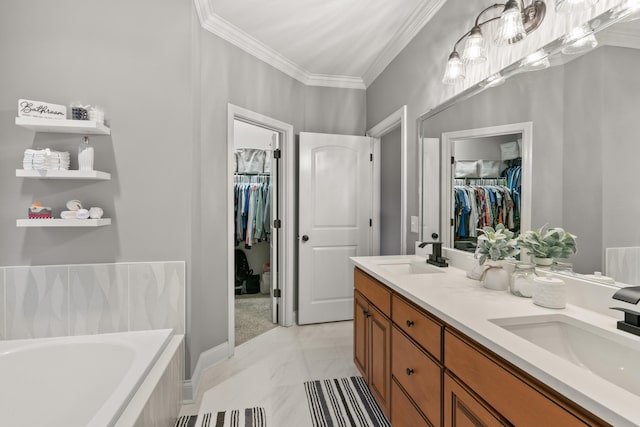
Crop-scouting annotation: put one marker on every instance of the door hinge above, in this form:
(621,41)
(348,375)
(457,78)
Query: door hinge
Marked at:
(277,223)
(451,223)
(371,157)
(277,293)
(453,160)
(370,222)
(277,153)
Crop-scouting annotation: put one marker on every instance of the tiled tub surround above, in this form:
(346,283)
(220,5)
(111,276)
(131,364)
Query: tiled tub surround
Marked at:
(50,301)
(129,375)
(466,306)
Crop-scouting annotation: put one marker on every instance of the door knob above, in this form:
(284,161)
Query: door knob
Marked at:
(305,238)
(434,236)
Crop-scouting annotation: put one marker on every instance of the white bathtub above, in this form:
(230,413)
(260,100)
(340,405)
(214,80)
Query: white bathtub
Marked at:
(74,381)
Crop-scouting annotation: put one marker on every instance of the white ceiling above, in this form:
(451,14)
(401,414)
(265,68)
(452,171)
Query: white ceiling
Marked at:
(343,43)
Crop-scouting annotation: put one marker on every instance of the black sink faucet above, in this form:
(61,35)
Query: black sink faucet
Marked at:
(631,322)
(436,255)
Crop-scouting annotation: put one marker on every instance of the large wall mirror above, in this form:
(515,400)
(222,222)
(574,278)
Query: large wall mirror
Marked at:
(583,107)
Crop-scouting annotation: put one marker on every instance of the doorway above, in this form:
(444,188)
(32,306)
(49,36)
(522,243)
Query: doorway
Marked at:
(260,224)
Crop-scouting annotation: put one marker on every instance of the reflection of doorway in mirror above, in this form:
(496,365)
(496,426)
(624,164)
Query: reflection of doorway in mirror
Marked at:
(484,179)
(487,186)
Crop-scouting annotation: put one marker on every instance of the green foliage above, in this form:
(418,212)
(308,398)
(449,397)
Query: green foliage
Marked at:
(551,243)
(496,244)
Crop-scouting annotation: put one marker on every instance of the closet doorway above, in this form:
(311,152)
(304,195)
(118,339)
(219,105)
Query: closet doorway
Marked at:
(258,224)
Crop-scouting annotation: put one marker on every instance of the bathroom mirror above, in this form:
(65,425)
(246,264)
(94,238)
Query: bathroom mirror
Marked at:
(583,108)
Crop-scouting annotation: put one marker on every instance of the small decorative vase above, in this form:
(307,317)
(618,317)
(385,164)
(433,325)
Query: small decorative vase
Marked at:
(495,276)
(545,262)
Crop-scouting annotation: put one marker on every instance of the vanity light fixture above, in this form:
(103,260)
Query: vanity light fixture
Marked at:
(494,80)
(579,40)
(626,9)
(537,60)
(569,6)
(514,23)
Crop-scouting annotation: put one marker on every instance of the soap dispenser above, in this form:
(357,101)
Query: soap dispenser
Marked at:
(85,155)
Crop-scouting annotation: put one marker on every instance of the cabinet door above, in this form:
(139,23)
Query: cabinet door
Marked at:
(380,358)
(404,413)
(462,409)
(360,335)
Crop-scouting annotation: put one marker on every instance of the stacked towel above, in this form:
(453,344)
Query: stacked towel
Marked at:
(45,160)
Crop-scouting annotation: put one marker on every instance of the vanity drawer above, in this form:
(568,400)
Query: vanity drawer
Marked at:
(420,376)
(420,327)
(373,290)
(506,390)
(404,413)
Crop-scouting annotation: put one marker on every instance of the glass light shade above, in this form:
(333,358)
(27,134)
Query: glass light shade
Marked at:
(628,9)
(510,26)
(494,80)
(579,40)
(474,50)
(569,6)
(537,60)
(454,72)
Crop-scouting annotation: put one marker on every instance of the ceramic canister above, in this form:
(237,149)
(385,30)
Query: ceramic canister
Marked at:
(549,292)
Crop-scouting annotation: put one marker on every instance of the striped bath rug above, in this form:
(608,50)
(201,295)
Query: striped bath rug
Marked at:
(343,402)
(250,417)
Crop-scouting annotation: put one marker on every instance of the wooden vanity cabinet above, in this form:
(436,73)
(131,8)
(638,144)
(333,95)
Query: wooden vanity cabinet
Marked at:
(423,372)
(372,337)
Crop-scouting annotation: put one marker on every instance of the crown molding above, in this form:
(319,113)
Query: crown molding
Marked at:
(401,39)
(621,38)
(215,24)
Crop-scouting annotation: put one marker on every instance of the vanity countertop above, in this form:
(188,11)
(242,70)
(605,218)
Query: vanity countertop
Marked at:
(467,306)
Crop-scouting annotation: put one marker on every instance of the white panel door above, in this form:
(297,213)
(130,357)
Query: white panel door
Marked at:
(335,188)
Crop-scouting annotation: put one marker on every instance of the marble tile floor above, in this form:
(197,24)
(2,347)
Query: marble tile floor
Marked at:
(270,371)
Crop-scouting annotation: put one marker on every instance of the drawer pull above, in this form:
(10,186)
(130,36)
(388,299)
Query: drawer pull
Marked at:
(409,371)
(409,323)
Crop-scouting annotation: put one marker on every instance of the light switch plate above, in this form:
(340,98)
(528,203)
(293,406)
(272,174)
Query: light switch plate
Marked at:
(415,226)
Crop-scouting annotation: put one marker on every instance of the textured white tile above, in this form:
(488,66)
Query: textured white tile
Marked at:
(98,300)
(156,296)
(3,333)
(37,302)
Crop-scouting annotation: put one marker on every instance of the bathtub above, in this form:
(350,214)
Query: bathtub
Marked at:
(74,381)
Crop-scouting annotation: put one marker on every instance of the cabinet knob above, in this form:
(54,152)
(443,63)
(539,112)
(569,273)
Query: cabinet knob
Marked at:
(409,371)
(409,323)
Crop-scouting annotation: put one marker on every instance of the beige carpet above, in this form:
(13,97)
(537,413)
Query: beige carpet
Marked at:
(253,316)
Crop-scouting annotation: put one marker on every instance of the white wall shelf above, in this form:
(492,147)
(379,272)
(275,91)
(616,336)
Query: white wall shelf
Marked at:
(83,127)
(57,222)
(63,174)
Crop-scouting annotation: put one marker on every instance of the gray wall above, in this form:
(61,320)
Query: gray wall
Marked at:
(230,75)
(164,84)
(390,182)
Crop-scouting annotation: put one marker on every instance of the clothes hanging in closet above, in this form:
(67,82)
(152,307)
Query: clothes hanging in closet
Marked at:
(478,206)
(252,207)
(513,174)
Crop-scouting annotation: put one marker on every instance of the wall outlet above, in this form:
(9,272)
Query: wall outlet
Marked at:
(415,224)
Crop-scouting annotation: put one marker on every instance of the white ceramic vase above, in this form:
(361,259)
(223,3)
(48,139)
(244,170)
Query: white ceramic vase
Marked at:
(495,276)
(545,262)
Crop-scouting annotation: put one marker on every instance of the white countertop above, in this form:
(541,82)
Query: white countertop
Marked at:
(467,306)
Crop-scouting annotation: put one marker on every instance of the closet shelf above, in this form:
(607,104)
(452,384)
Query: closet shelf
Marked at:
(83,127)
(63,174)
(57,222)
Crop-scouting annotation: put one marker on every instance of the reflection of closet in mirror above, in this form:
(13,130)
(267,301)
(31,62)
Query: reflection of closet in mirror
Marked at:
(483,182)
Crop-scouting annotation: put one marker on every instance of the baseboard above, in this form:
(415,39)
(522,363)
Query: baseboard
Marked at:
(208,358)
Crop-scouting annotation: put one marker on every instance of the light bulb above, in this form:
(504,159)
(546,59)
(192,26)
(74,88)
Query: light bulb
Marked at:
(569,6)
(510,26)
(454,72)
(474,51)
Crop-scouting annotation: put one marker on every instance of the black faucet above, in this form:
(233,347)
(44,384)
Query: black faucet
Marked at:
(631,322)
(436,256)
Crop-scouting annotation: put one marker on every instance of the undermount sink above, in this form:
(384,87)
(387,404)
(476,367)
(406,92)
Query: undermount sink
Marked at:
(601,352)
(410,267)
